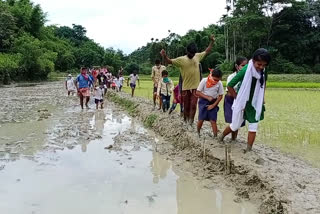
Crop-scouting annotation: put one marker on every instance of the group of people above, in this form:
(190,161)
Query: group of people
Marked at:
(95,82)
(243,101)
(244,98)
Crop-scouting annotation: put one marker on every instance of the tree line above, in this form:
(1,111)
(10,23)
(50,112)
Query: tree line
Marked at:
(289,29)
(29,50)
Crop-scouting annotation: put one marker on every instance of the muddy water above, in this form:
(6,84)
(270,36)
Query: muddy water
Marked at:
(88,178)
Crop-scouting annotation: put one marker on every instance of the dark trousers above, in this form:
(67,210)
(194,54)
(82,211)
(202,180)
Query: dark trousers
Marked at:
(189,100)
(165,102)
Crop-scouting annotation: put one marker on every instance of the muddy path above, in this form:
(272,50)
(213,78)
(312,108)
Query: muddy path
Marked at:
(279,183)
(57,158)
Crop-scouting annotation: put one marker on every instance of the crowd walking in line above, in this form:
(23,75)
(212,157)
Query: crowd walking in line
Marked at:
(243,98)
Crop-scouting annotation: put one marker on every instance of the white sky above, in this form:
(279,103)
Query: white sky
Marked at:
(129,24)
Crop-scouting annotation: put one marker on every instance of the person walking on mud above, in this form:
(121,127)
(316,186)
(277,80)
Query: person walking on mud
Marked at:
(249,100)
(156,77)
(70,86)
(210,92)
(133,78)
(164,91)
(83,82)
(190,73)
(228,99)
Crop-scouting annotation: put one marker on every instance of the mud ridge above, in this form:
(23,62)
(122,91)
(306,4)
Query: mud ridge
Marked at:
(279,183)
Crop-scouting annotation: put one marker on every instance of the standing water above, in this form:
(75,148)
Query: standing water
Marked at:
(87,178)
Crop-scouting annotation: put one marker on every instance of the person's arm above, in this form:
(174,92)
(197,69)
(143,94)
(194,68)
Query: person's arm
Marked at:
(76,83)
(202,95)
(200,89)
(166,58)
(212,39)
(152,74)
(91,78)
(220,96)
(235,80)
(172,86)
(212,106)
(158,89)
(66,85)
(128,81)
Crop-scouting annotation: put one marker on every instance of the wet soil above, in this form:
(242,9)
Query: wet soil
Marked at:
(279,183)
(57,158)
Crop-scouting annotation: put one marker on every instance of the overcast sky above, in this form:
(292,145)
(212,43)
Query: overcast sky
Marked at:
(129,24)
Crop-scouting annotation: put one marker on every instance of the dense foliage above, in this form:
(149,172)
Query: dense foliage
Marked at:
(29,50)
(290,29)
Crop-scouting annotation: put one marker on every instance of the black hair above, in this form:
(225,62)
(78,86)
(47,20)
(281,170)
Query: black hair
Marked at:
(217,72)
(157,61)
(262,55)
(238,62)
(164,73)
(192,48)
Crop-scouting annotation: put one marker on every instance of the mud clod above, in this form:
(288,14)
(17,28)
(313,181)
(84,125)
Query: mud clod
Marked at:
(109,147)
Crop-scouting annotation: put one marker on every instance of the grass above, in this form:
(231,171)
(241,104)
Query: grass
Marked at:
(292,119)
(274,81)
(292,122)
(127,104)
(149,121)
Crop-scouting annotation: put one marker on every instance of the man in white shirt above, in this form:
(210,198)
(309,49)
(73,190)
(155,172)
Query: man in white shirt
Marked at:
(133,79)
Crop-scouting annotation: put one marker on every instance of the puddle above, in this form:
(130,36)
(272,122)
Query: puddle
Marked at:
(91,179)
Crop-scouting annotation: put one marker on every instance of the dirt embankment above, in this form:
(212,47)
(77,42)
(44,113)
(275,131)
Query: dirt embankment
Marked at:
(280,183)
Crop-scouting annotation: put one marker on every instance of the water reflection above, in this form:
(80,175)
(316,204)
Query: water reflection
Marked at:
(99,118)
(191,196)
(159,167)
(99,181)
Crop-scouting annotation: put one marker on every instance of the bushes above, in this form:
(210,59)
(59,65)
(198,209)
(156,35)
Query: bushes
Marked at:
(316,68)
(173,71)
(226,67)
(130,68)
(280,65)
(9,67)
(36,61)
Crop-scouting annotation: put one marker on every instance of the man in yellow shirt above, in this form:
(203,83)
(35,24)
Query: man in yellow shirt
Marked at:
(156,77)
(190,72)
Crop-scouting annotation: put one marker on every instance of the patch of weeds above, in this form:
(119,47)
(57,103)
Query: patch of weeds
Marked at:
(149,121)
(129,106)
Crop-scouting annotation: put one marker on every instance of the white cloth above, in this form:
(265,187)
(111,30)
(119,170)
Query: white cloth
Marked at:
(70,85)
(121,79)
(230,77)
(133,78)
(243,96)
(98,94)
(213,92)
(118,83)
(253,127)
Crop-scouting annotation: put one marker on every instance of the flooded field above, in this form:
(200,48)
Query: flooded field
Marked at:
(56,158)
(291,120)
